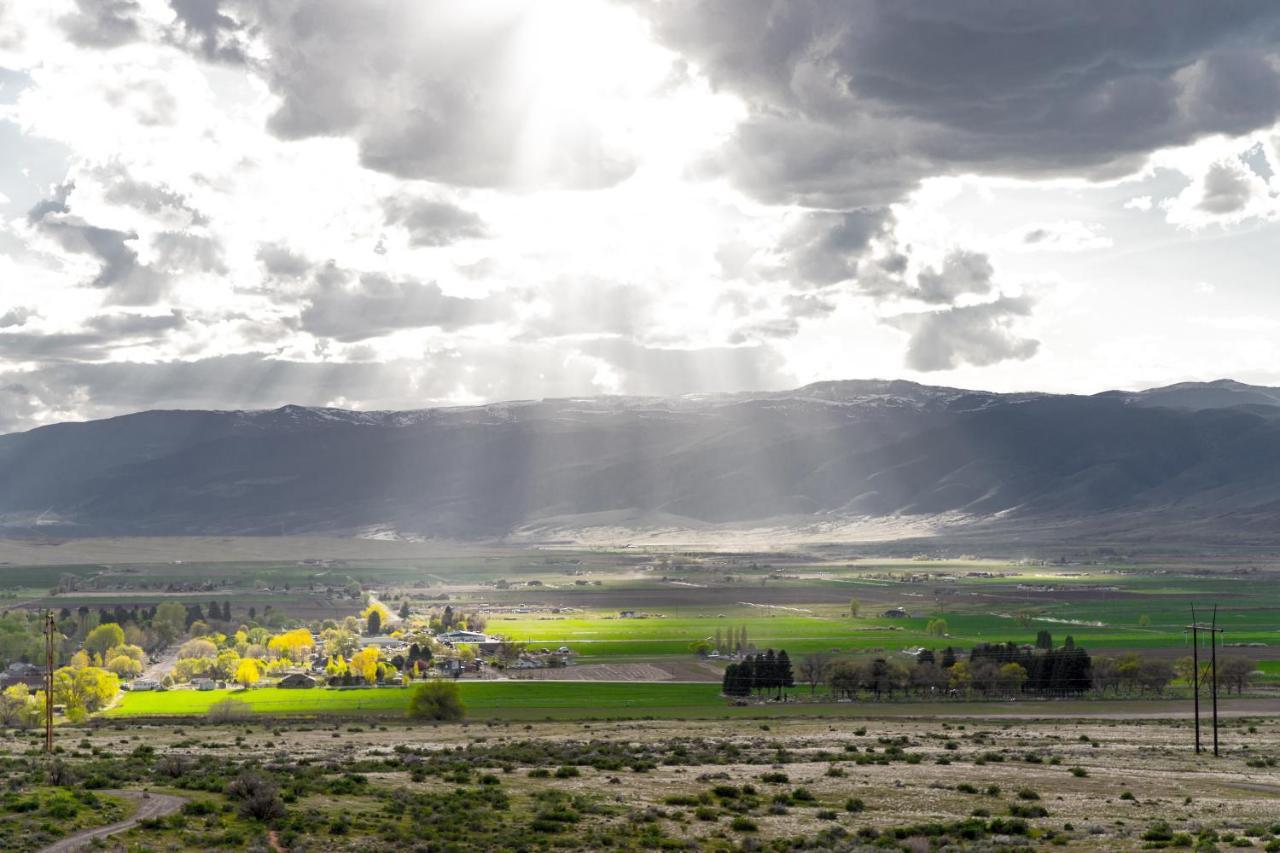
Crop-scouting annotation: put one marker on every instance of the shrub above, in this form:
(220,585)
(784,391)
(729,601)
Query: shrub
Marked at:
(437,700)
(259,797)
(1079,772)
(743,824)
(229,711)
(854,805)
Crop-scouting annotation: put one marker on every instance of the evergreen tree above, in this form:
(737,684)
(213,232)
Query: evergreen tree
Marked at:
(1044,640)
(948,657)
(786,676)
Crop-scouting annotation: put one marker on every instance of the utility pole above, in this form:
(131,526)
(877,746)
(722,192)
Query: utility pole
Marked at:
(49,628)
(1213,651)
(1213,630)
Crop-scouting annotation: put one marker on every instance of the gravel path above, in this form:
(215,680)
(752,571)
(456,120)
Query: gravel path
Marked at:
(155,805)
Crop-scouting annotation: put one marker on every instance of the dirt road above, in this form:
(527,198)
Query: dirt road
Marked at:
(156,805)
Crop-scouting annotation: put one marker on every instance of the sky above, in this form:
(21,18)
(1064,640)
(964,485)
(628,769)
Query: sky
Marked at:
(385,204)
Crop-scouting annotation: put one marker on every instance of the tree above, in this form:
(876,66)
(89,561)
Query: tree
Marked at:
(814,668)
(226,664)
(1044,640)
(197,648)
(364,663)
(937,627)
(854,607)
(169,622)
(1011,677)
(734,683)
(294,645)
(960,678)
(1236,671)
(404,609)
(104,638)
(785,677)
(83,689)
(437,700)
(845,678)
(20,707)
(1144,621)
(248,672)
(125,666)
(373,625)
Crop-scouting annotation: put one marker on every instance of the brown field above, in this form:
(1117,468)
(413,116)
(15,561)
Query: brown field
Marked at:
(1138,771)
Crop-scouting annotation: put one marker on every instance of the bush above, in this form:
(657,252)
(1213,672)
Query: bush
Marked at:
(743,824)
(853,805)
(259,797)
(229,711)
(437,700)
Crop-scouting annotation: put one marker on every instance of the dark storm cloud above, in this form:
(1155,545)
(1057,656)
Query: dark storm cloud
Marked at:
(424,88)
(349,308)
(102,23)
(853,102)
(979,335)
(433,223)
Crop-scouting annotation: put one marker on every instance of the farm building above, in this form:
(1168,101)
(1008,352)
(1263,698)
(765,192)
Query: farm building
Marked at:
(23,673)
(895,613)
(298,680)
(463,637)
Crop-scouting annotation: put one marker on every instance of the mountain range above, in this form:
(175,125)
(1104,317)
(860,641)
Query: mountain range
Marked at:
(1183,458)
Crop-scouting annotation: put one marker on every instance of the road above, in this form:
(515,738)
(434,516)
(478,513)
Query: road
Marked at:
(157,671)
(156,805)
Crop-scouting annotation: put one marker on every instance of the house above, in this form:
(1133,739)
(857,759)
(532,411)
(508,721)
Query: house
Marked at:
(19,672)
(298,680)
(463,637)
(895,613)
(203,683)
(145,684)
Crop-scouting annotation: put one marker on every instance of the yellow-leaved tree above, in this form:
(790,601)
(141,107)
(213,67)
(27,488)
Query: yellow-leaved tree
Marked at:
(248,672)
(364,663)
(294,645)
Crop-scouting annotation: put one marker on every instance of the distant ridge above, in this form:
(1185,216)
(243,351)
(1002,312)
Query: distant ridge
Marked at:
(1194,454)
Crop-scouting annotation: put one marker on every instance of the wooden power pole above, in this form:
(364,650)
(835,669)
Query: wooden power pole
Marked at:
(49,629)
(1213,630)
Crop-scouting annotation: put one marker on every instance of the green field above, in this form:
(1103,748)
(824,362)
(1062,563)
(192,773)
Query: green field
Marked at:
(483,699)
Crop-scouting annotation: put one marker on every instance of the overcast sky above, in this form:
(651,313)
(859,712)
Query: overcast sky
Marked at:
(404,203)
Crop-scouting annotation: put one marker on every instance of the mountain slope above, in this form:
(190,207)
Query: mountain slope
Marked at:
(829,451)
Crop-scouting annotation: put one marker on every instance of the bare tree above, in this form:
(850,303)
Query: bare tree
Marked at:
(814,668)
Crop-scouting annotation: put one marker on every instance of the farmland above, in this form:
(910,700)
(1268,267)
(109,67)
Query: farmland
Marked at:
(631,742)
